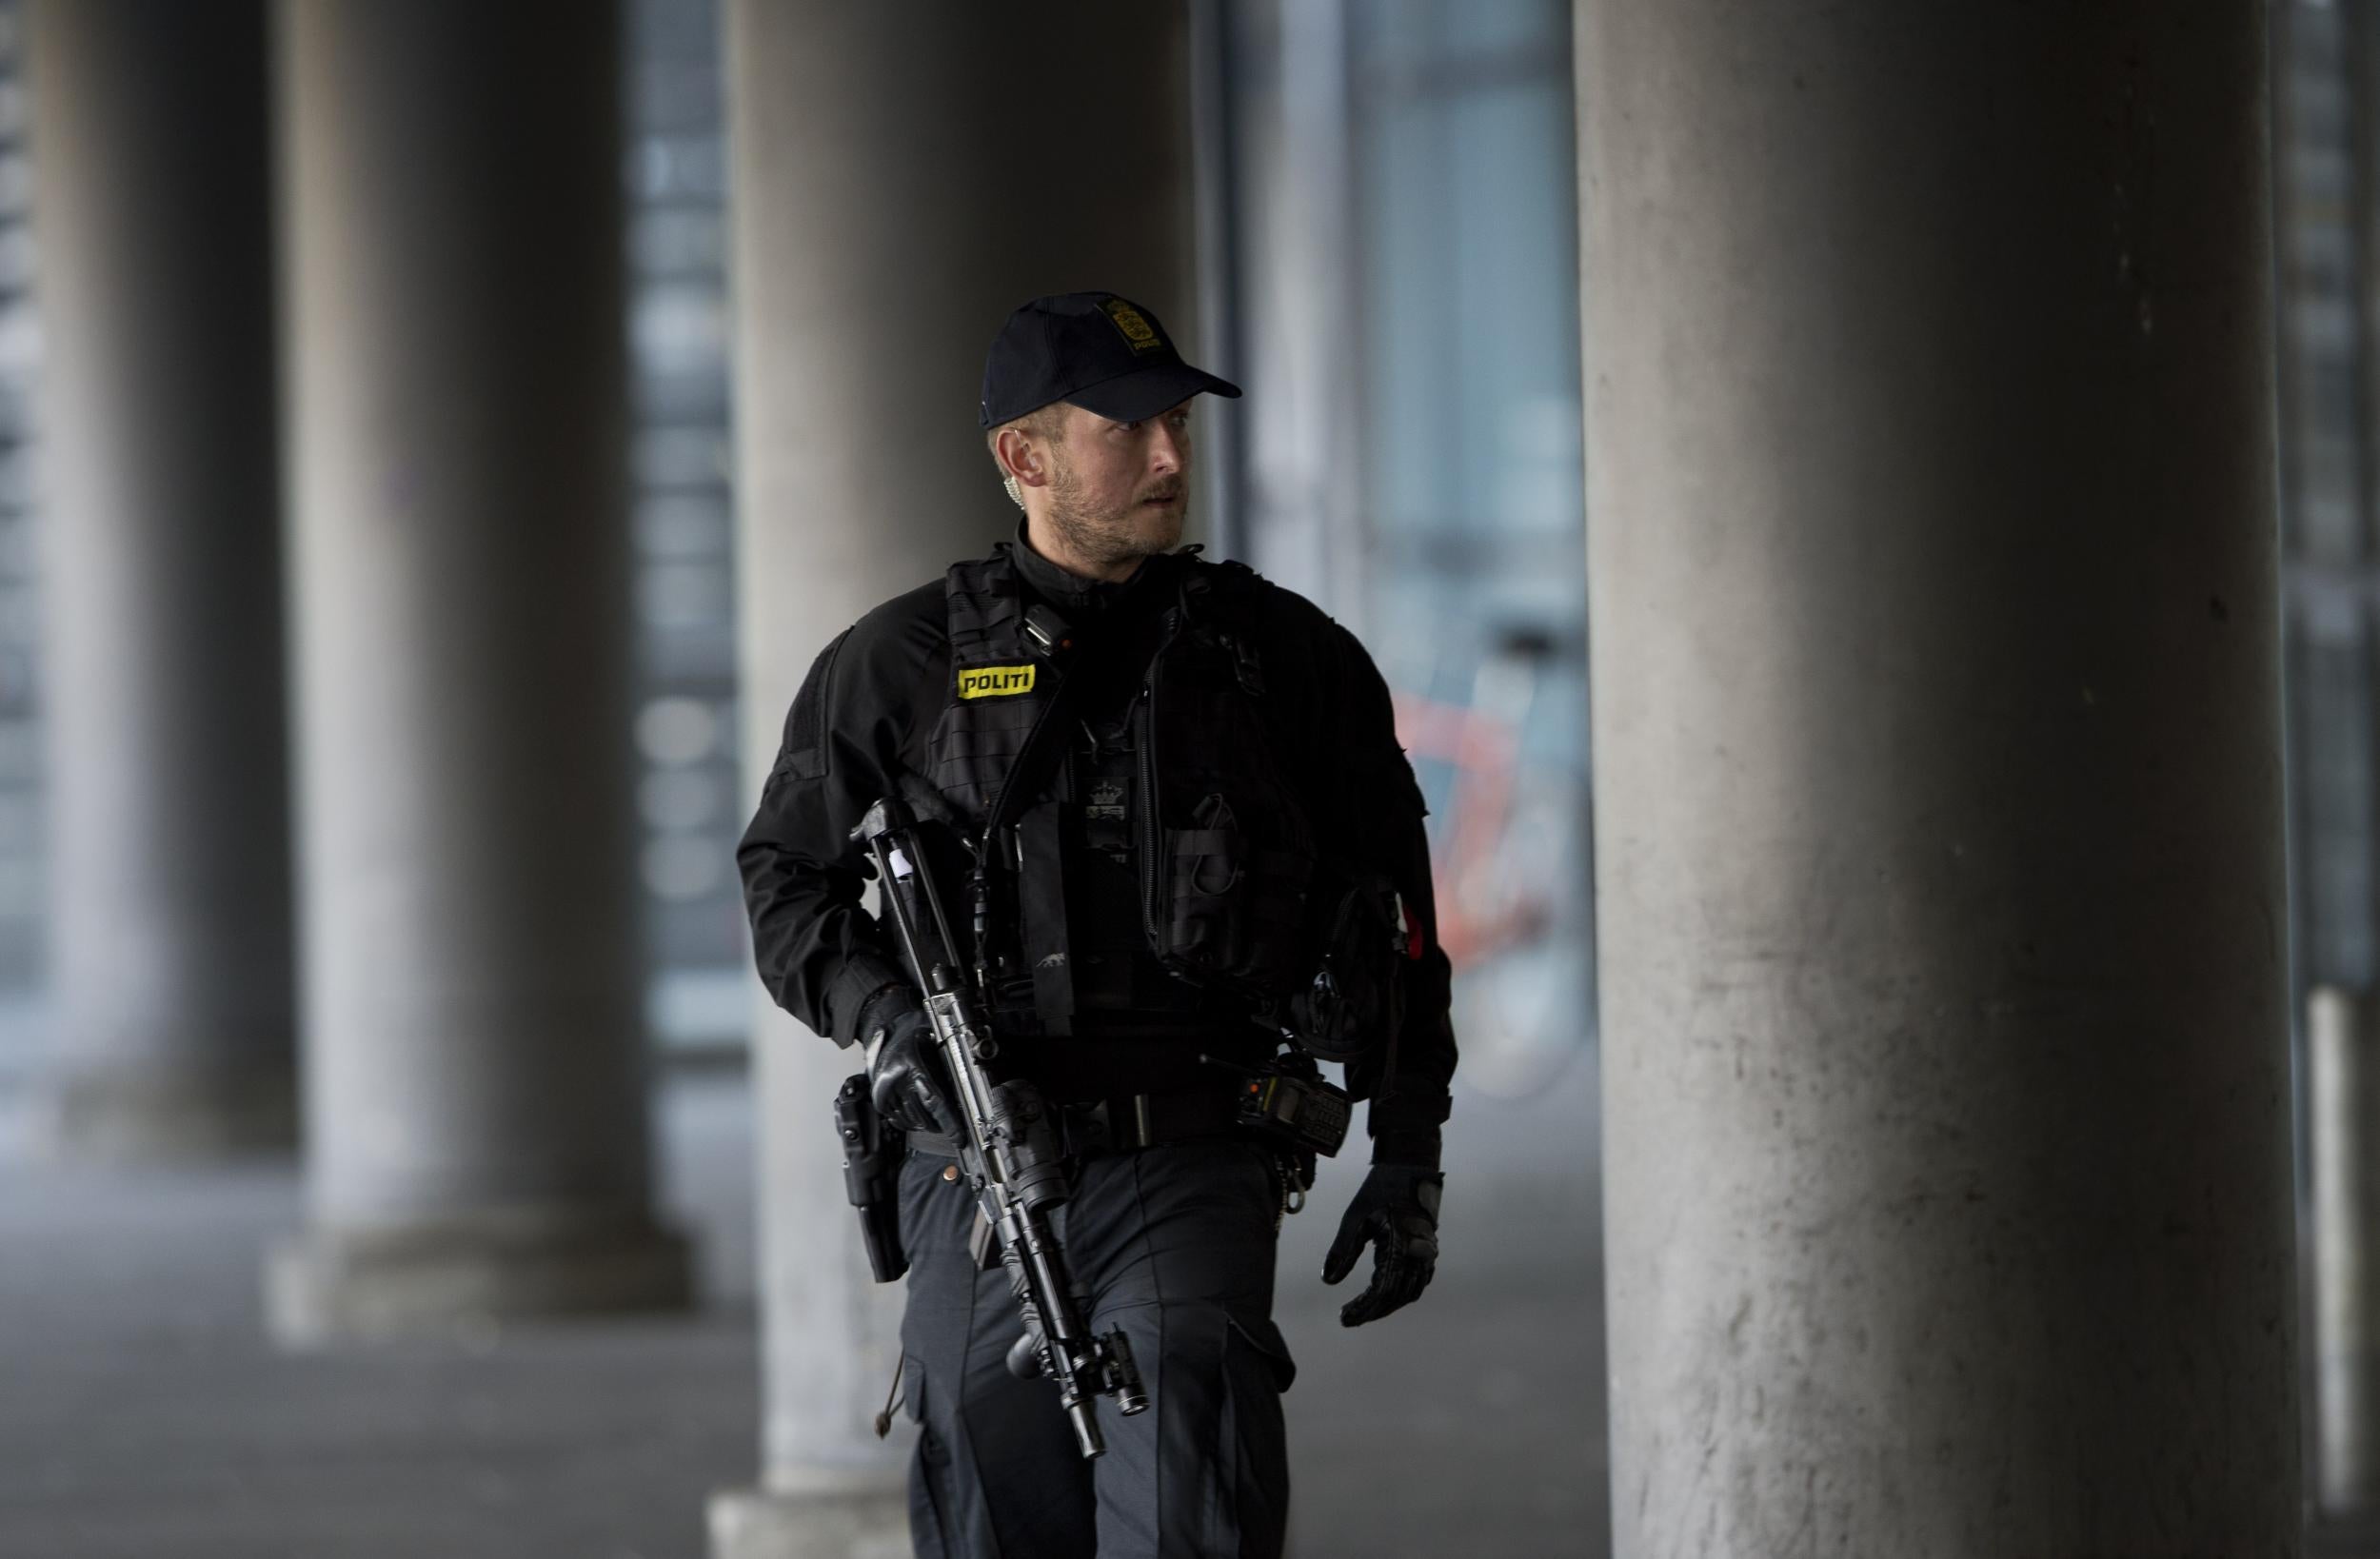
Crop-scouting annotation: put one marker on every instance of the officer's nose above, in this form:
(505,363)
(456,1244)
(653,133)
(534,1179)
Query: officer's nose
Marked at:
(1169,452)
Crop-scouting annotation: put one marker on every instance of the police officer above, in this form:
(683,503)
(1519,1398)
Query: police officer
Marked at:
(1226,816)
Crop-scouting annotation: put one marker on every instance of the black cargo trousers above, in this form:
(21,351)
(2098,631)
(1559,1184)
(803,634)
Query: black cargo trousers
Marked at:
(1175,1244)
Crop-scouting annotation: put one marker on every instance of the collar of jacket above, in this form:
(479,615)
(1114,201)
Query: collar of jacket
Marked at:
(1081,599)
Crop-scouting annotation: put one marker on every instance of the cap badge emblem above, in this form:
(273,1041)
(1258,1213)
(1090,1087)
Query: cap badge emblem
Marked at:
(1136,330)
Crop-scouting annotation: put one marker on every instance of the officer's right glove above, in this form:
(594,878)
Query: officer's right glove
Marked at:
(905,1074)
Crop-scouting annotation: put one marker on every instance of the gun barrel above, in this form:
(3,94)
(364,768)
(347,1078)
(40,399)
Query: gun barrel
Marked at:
(1087,1430)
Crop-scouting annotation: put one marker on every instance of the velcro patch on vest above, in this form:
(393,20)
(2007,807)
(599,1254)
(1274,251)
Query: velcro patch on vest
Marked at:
(995,681)
(1106,804)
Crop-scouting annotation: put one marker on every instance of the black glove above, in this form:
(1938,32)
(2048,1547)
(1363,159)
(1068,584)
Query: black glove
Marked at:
(905,1074)
(1395,1213)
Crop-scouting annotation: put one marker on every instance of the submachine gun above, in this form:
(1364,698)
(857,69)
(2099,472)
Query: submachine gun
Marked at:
(1008,1151)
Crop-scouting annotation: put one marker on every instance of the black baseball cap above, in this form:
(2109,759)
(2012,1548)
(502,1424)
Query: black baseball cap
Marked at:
(1104,353)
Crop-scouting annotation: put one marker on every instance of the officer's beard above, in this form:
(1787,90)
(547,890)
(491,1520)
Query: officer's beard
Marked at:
(1103,538)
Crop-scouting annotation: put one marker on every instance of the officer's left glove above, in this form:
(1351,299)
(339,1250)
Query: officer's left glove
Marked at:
(1395,1213)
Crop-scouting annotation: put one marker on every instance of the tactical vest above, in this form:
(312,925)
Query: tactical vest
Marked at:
(1221,848)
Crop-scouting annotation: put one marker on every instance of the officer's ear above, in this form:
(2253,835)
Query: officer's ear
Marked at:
(1022,456)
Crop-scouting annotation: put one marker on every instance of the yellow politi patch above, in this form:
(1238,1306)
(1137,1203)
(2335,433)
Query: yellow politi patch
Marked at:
(995,681)
(1136,329)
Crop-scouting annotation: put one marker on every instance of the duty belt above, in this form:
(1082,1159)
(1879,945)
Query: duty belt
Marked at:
(1127,1122)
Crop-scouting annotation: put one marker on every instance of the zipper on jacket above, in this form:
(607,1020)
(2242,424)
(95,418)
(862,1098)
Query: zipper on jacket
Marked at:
(1146,755)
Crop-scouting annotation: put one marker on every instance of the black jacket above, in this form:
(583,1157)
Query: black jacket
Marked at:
(864,713)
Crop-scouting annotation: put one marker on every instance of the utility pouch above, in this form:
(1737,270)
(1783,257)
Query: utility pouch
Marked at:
(1357,997)
(1040,920)
(1233,913)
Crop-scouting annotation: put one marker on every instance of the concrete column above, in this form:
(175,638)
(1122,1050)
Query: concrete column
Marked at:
(475,1096)
(899,185)
(1929,353)
(2343,1092)
(169,861)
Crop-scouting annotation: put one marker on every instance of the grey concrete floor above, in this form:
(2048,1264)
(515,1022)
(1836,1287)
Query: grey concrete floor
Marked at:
(142,1415)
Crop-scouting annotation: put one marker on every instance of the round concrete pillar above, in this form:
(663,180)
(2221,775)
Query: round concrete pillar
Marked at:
(2343,1108)
(170,864)
(476,1112)
(1938,807)
(894,200)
